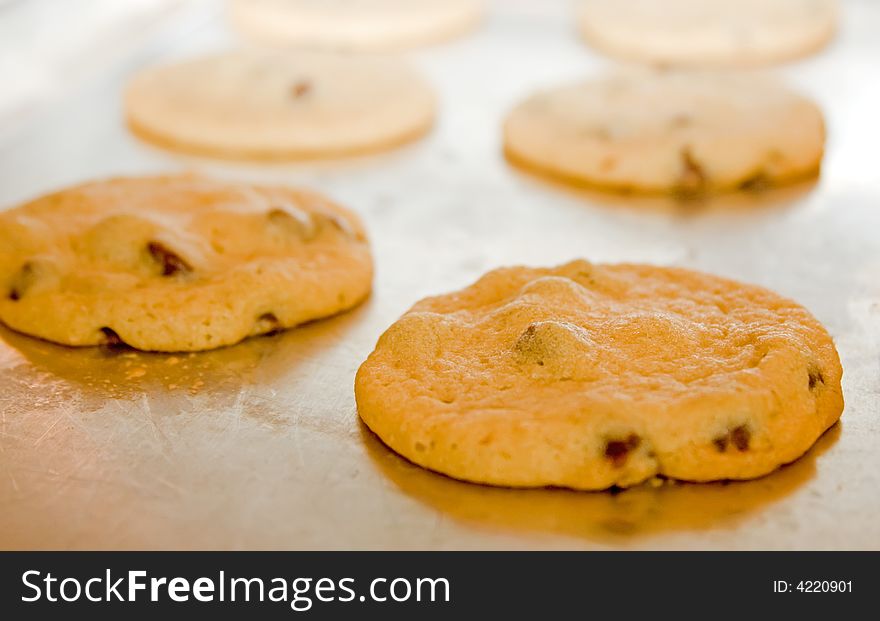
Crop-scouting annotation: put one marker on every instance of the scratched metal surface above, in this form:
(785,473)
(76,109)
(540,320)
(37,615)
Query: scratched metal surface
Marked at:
(259,446)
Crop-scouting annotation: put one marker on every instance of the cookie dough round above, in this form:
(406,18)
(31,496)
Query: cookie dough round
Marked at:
(669,131)
(354,24)
(280,105)
(177,263)
(590,376)
(708,32)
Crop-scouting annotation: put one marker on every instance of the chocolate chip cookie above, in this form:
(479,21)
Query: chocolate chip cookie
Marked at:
(353,24)
(591,376)
(177,263)
(251,104)
(708,32)
(669,132)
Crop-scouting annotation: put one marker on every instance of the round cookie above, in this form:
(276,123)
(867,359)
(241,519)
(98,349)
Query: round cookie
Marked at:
(708,32)
(277,105)
(354,24)
(177,263)
(590,376)
(668,131)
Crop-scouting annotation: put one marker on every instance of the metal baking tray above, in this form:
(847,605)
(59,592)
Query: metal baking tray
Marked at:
(259,445)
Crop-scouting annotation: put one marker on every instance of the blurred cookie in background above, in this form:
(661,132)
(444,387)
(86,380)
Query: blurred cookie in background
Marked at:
(708,32)
(680,132)
(251,104)
(354,24)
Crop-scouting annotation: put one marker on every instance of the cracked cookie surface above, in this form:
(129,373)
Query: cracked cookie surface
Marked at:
(708,32)
(592,376)
(177,263)
(669,131)
(279,105)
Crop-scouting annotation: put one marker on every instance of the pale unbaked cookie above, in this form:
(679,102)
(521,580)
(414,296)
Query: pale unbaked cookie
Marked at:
(669,131)
(258,104)
(589,376)
(708,32)
(354,24)
(177,263)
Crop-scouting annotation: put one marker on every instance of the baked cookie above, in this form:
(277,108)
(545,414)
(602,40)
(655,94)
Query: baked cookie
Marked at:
(590,376)
(669,131)
(708,32)
(177,263)
(277,105)
(354,24)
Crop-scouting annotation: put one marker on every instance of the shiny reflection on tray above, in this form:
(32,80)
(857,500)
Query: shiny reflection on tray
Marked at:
(599,516)
(98,373)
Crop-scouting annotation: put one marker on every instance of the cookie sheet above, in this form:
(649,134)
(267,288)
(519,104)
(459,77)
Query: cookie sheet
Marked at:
(259,445)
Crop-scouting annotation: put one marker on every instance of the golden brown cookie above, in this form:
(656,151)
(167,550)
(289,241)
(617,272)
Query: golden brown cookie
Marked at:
(669,131)
(590,376)
(354,24)
(177,263)
(255,104)
(708,32)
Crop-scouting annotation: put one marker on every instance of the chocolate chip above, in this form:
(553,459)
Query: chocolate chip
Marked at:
(171,262)
(22,281)
(738,437)
(279,214)
(301,88)
(757,182)
(587,275)
(693,177)
(815,377)
(527,336)
(528,345)
(111,339)
(267,324)
(552,344)
(618,450)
